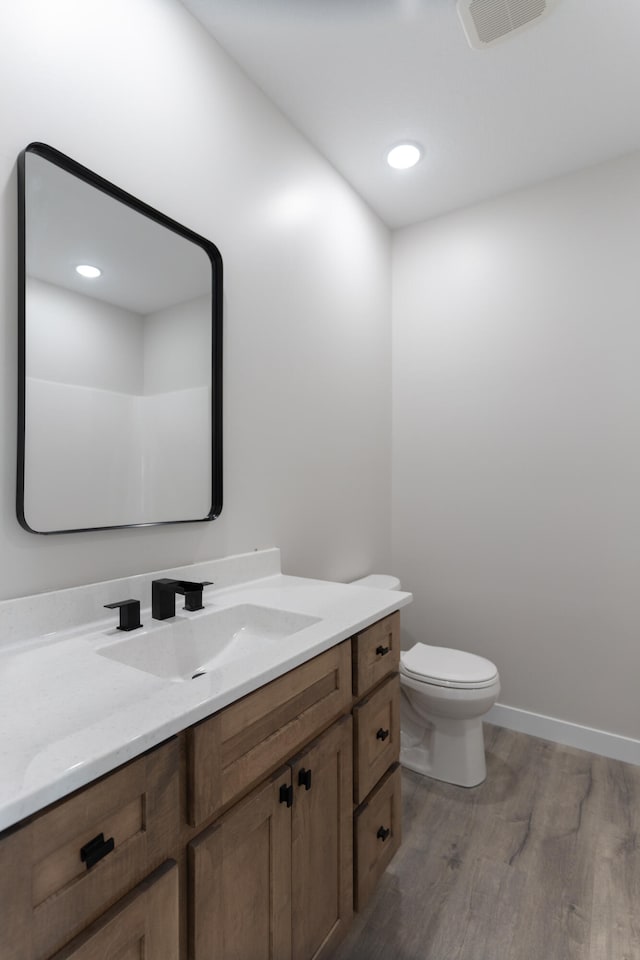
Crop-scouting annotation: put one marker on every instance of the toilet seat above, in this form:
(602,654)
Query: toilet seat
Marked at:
(443,667)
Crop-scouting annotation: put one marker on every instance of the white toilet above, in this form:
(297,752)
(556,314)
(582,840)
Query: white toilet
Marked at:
(445,693)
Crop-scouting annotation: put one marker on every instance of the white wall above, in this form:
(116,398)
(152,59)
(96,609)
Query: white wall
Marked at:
(118,412)
(177,404)
(71,338)
(83,436)
(177,347)
(82,456)
(140,93)
(516,440)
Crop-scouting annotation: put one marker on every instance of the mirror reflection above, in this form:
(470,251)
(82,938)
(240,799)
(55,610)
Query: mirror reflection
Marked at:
(120,357)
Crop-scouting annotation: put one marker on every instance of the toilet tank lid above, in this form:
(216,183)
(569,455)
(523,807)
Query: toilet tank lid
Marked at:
(447,666)
(379,581)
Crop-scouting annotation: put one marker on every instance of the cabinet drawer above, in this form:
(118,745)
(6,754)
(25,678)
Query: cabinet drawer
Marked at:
(376,652)
(142,924)
(376,736)
(48,893)
(377,832)
(240,745)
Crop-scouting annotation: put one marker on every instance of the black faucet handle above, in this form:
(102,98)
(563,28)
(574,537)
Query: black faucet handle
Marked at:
(129,613)
(193,598)
(188,586)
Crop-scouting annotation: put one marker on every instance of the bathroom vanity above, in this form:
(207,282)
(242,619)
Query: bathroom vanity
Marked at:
(268,803)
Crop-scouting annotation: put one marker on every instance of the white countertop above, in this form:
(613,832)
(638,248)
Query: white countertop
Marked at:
(68,715)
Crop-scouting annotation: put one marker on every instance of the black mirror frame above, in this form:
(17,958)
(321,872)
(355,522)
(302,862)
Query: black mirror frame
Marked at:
(100,183)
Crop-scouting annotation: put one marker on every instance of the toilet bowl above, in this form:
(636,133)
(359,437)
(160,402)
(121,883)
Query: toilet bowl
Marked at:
(444,695)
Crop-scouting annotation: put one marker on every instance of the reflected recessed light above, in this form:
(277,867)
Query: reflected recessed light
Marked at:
(404,155)
(86,270)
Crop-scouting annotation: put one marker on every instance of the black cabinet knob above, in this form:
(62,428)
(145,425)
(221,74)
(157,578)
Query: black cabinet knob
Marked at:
(304,779)
(381,651)
(286,794)
(96,849)
(382,734)
(383,833)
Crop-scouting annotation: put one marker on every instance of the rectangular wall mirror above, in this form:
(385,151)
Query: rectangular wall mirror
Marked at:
(120,356)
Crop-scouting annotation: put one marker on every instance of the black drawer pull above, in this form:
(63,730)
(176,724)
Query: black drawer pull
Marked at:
(381,651)
(382,734)
(382,834)
(96,849)
(286,795)
(304,779)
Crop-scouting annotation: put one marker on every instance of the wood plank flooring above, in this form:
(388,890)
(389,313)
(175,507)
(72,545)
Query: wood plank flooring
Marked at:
(541,862)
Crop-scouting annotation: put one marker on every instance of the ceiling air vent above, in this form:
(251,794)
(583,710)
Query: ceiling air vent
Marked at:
(487,21)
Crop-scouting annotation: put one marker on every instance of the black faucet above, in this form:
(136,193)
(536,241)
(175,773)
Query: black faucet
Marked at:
(163,596)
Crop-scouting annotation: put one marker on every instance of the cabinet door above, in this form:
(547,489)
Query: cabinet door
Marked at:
(240,880)
(322,843)
(142,925)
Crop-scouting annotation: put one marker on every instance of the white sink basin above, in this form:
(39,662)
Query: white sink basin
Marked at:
(186,647)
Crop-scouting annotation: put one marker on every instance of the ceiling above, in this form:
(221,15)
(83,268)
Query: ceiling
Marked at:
(357,76)
(69,222)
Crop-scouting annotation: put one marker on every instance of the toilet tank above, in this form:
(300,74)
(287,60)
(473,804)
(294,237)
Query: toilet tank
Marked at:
(378,581)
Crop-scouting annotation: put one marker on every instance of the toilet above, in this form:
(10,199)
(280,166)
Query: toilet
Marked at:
(444,695)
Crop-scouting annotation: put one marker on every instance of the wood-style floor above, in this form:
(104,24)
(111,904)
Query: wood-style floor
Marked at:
(541,862)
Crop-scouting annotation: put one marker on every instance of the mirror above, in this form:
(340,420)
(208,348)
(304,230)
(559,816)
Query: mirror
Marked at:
(120,357)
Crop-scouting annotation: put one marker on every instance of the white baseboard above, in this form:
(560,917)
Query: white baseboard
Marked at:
(571,734)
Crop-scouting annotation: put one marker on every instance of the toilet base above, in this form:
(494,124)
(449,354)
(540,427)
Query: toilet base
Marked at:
(447,750)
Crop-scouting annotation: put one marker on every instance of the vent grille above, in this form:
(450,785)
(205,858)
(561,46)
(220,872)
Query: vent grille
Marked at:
(488,21)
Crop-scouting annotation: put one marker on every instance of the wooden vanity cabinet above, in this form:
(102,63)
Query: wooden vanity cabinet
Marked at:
(322,843)
(240,879)
(233,840)
(272,878)
(142,925)
(376,724)
(236,748)
(50,888)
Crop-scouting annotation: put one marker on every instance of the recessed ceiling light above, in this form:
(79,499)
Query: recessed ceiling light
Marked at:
(86,270)
(404,155)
